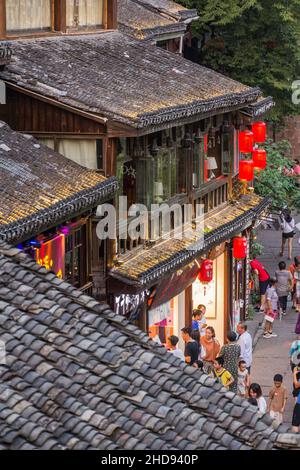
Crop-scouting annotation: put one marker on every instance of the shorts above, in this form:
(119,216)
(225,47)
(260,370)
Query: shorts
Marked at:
(288,235)
(277,416)
(263,286)
(296,415)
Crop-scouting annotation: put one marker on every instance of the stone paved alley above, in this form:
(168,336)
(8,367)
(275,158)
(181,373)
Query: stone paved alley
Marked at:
(271,355)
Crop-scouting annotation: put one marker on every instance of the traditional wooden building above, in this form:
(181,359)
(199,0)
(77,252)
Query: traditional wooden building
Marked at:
(168,130)
(47,204)
(161,22)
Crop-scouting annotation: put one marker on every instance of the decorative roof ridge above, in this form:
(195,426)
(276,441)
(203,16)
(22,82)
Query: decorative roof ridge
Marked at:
(261,106)
(198,107)
(182,257)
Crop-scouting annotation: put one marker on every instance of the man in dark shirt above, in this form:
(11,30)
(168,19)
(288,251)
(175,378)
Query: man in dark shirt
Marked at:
(191,351)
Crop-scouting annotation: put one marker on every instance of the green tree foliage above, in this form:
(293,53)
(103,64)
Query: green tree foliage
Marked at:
(273,181)
(253,41)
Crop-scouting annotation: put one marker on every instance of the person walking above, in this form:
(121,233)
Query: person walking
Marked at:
(255,391)
(277,399)
(191,350)
(271,309)
(245,343)
(292,269)
(297,287)
(288,231)
(284,285)
(231,353)
(263,277)
(210,348)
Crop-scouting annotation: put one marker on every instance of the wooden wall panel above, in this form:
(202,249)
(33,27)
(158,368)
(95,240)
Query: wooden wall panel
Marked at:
(28,114)
(2,19)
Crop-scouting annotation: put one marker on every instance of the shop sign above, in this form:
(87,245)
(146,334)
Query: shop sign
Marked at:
(130,305)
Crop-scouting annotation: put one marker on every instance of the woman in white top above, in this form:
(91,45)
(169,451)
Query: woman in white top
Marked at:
(288,232)
(256,392)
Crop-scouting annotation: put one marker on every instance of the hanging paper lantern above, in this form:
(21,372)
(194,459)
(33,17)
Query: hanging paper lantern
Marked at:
(246,141)
(206,271)
(259,130)
(259,157)
(240,247)
(246,170)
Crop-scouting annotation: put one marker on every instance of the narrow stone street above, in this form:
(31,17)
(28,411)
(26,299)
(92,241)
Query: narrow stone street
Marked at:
(271,355)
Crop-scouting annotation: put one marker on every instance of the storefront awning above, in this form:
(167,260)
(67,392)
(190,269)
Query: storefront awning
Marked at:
(147,267)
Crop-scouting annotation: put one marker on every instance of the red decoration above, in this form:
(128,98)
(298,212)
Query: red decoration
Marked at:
(246,170)
(246,141)
(240,247)
(259,130)
(259,157)
(205,143)
(205,170)
(206,271)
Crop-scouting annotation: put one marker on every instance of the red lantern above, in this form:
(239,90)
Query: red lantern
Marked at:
(246,141)
(246,170)
(206,271)
(259,130)
(259,157)
(240,247)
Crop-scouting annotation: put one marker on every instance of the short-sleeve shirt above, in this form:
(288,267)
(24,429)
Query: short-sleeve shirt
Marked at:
(178,353)
(195,325)
(224,376)
(241,381)
(278,397)
(192,350)
(284,279)
(263,274)
(272,296)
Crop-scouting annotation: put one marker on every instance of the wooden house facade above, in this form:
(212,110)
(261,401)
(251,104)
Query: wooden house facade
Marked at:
(167,129)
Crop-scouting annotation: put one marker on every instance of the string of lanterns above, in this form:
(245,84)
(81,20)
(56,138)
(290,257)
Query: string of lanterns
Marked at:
(247,144)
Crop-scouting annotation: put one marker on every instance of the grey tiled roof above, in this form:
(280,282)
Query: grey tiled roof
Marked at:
(78,376)
(40,187)
(123,79)
(149,19)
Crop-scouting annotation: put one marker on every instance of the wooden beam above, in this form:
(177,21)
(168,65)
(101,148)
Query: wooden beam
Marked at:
(52,101)
(112,14)
(60,23)
(2,19)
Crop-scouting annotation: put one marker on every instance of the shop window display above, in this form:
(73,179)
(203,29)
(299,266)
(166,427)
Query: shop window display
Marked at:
(161,322)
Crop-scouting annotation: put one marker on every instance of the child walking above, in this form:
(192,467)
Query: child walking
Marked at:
(277,399)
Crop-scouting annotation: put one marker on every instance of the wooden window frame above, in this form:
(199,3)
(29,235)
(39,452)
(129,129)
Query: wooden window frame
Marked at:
(59,21)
